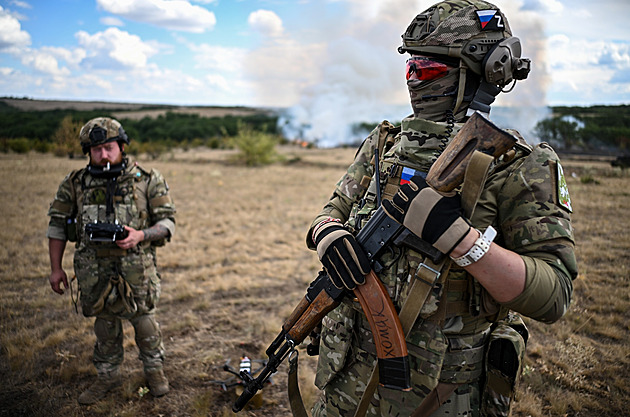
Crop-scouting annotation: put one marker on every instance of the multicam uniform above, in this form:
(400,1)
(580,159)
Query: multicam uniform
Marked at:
(525,200)
(114,283)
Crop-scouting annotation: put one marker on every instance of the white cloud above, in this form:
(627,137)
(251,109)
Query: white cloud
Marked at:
(72,57)
(551,6)
(11,34)
(115,47)
(111,21)
(219,58)
(616,56)
(21,4)
(5,71)
(44,62)
(266,22)
(586,71)
(174,14)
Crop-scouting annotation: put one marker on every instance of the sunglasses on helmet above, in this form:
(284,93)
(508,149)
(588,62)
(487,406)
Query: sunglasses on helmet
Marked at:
(425,69)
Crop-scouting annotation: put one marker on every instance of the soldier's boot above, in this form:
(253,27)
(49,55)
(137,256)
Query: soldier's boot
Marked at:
(158,384)
(105,382)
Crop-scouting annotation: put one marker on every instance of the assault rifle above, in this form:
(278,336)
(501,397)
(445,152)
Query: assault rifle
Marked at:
(380,233)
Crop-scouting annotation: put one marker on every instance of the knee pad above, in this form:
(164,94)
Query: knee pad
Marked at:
(106,330)
(146,326)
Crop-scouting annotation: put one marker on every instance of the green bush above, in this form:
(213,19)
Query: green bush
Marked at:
(19,145)
(65,140)
(255,147)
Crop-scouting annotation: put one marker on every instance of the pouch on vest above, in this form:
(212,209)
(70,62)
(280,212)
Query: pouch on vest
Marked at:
(70,228)
(504,362)
(336,337)
(118,297)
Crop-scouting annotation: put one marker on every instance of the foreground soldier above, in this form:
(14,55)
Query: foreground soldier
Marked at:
(513,253)
(117,213)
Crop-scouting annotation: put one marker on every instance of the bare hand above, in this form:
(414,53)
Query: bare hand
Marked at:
(132,240)
(56,278)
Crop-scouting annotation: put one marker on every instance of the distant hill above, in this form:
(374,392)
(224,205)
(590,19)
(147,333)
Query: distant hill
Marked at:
(134,111)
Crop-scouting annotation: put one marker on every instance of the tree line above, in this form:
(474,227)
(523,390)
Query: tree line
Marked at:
(594,128)
(58,130)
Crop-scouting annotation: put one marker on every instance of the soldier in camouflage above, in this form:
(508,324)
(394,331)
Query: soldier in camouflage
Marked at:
(117,213)
(513,254)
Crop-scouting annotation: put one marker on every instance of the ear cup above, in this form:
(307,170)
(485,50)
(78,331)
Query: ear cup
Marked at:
(503,63)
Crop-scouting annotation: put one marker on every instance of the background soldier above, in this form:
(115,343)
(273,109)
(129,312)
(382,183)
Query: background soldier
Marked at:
(117,213)
(513,253)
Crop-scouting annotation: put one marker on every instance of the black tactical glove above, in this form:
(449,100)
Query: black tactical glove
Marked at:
(342,257)
(428,214)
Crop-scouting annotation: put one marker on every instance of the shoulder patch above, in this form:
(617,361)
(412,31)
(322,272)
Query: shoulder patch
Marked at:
(564,200)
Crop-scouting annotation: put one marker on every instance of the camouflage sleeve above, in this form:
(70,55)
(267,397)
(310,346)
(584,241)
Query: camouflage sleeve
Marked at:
(161,205)
(60,210)
(351,186)
(535,220)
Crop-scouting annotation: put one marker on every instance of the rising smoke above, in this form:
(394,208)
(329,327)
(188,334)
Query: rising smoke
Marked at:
(363,77)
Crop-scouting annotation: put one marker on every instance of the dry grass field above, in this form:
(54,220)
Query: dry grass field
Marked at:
(237,267)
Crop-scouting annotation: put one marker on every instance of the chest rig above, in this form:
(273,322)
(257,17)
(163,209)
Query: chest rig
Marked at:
(120,200)
(408,151)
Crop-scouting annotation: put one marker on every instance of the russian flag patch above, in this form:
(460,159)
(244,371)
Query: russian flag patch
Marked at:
(490,20)
(407,174)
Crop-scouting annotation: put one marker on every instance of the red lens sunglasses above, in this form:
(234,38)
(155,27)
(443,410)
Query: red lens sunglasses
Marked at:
(425,68)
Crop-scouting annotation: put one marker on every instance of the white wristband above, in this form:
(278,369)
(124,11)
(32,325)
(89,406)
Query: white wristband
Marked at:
(479,249)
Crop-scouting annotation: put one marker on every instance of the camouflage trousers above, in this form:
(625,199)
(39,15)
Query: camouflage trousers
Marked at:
(109,351)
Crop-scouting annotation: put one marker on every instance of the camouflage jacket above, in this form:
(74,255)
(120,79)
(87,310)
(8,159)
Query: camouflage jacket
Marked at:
(525,199)
(139,199)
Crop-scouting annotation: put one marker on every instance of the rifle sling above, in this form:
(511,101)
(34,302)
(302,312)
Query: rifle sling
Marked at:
(474,180)
(293,387)
(427,275)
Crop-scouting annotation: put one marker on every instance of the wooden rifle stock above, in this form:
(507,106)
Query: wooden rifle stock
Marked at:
(477,134)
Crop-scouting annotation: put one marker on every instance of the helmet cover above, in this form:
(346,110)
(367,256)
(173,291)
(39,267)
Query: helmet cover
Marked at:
(101,130)
(459,29)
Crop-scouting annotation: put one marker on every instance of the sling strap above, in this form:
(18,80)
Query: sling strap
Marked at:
(427,275)
(293,387)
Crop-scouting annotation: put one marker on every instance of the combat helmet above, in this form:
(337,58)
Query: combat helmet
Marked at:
(478,36)
(101,130)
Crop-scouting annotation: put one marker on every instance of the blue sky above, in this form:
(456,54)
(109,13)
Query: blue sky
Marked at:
(323,59)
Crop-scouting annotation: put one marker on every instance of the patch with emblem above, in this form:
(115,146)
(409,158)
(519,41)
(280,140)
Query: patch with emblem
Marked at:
(564,200)
(490,20)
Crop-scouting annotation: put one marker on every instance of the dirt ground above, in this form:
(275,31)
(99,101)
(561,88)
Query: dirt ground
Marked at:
(236,268)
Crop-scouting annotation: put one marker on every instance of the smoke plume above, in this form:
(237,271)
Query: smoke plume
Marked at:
(363,78)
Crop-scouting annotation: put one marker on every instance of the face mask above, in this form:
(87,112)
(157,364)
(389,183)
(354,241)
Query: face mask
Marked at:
(431,99)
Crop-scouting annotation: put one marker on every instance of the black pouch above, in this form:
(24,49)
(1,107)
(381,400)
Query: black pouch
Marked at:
(70,228)
(504,363)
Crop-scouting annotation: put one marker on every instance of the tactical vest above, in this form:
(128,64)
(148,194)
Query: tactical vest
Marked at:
(128,205)
(460,293)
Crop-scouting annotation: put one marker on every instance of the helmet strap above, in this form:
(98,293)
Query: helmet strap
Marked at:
(461,87)
(483,98)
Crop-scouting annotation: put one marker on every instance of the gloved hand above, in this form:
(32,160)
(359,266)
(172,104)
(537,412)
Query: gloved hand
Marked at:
(428,214)
(342,257)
